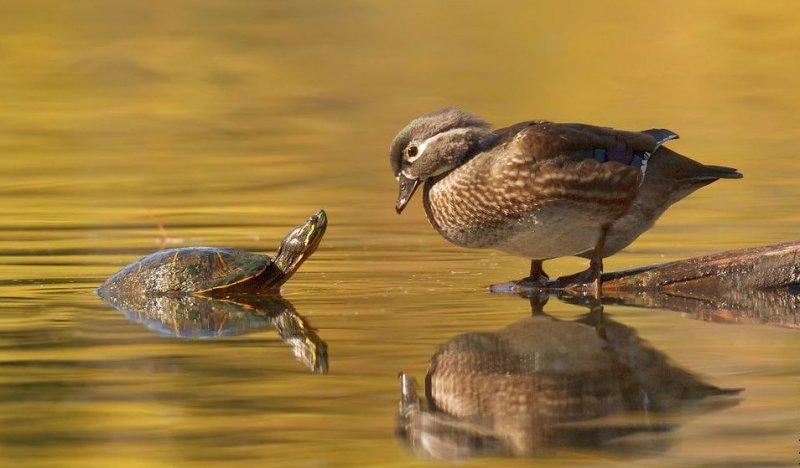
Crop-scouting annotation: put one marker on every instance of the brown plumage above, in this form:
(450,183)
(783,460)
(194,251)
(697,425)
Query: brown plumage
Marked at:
(540,189)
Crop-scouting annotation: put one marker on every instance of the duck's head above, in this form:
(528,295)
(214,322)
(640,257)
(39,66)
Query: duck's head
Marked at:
(433,144)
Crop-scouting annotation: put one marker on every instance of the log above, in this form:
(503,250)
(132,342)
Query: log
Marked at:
(756,285)
(759,268)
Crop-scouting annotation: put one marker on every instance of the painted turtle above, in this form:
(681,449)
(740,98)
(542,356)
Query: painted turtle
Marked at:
(217,272)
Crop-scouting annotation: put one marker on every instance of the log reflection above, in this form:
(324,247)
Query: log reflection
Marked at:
(780,308)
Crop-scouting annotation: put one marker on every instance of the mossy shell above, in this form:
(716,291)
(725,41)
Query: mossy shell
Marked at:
(187,270)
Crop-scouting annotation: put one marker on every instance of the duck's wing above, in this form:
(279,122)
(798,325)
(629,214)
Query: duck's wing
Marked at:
(543,161)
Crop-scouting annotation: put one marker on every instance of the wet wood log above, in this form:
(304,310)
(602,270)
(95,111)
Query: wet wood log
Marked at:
(759,268)
(756,285)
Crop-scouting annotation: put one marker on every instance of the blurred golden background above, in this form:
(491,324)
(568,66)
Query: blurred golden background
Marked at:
(229,122)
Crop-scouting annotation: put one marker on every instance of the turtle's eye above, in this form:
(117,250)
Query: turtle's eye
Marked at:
(411,151)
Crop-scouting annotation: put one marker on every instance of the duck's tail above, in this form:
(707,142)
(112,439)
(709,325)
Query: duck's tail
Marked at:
(712,173)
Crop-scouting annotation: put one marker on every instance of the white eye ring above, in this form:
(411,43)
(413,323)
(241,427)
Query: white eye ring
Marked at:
(420,148)
(412,153)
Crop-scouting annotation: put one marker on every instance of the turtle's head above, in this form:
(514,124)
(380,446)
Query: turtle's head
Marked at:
(300,243)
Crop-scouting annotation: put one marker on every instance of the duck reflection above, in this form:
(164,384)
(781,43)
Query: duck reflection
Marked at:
(543,382)
(190,316)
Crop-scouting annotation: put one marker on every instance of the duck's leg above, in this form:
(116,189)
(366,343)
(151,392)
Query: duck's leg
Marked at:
(590,278)
(537,273)
(596,263)
(537,280)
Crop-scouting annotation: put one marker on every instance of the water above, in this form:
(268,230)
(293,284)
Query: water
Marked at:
(228,123)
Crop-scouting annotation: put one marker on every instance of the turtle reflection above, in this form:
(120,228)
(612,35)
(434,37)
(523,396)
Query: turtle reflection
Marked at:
(543,382)
(192,316)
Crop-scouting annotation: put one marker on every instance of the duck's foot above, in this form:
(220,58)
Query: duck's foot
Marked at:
(585,283)
(524,285)
(588,282)
(535,282)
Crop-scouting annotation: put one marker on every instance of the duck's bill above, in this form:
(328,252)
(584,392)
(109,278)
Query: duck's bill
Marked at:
(407,188)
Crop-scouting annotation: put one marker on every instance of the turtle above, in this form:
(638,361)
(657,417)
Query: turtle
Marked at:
(217,272)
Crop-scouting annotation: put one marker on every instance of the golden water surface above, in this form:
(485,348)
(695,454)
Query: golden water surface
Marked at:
(229,122)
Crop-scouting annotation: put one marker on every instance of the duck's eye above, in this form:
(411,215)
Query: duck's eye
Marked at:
(411,151)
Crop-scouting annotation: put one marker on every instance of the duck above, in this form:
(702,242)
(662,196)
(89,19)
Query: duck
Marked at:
(542,190)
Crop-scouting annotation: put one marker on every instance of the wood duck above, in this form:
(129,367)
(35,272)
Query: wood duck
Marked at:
(541,189)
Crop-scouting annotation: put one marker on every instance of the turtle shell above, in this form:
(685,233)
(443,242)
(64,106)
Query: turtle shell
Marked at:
(186,270)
